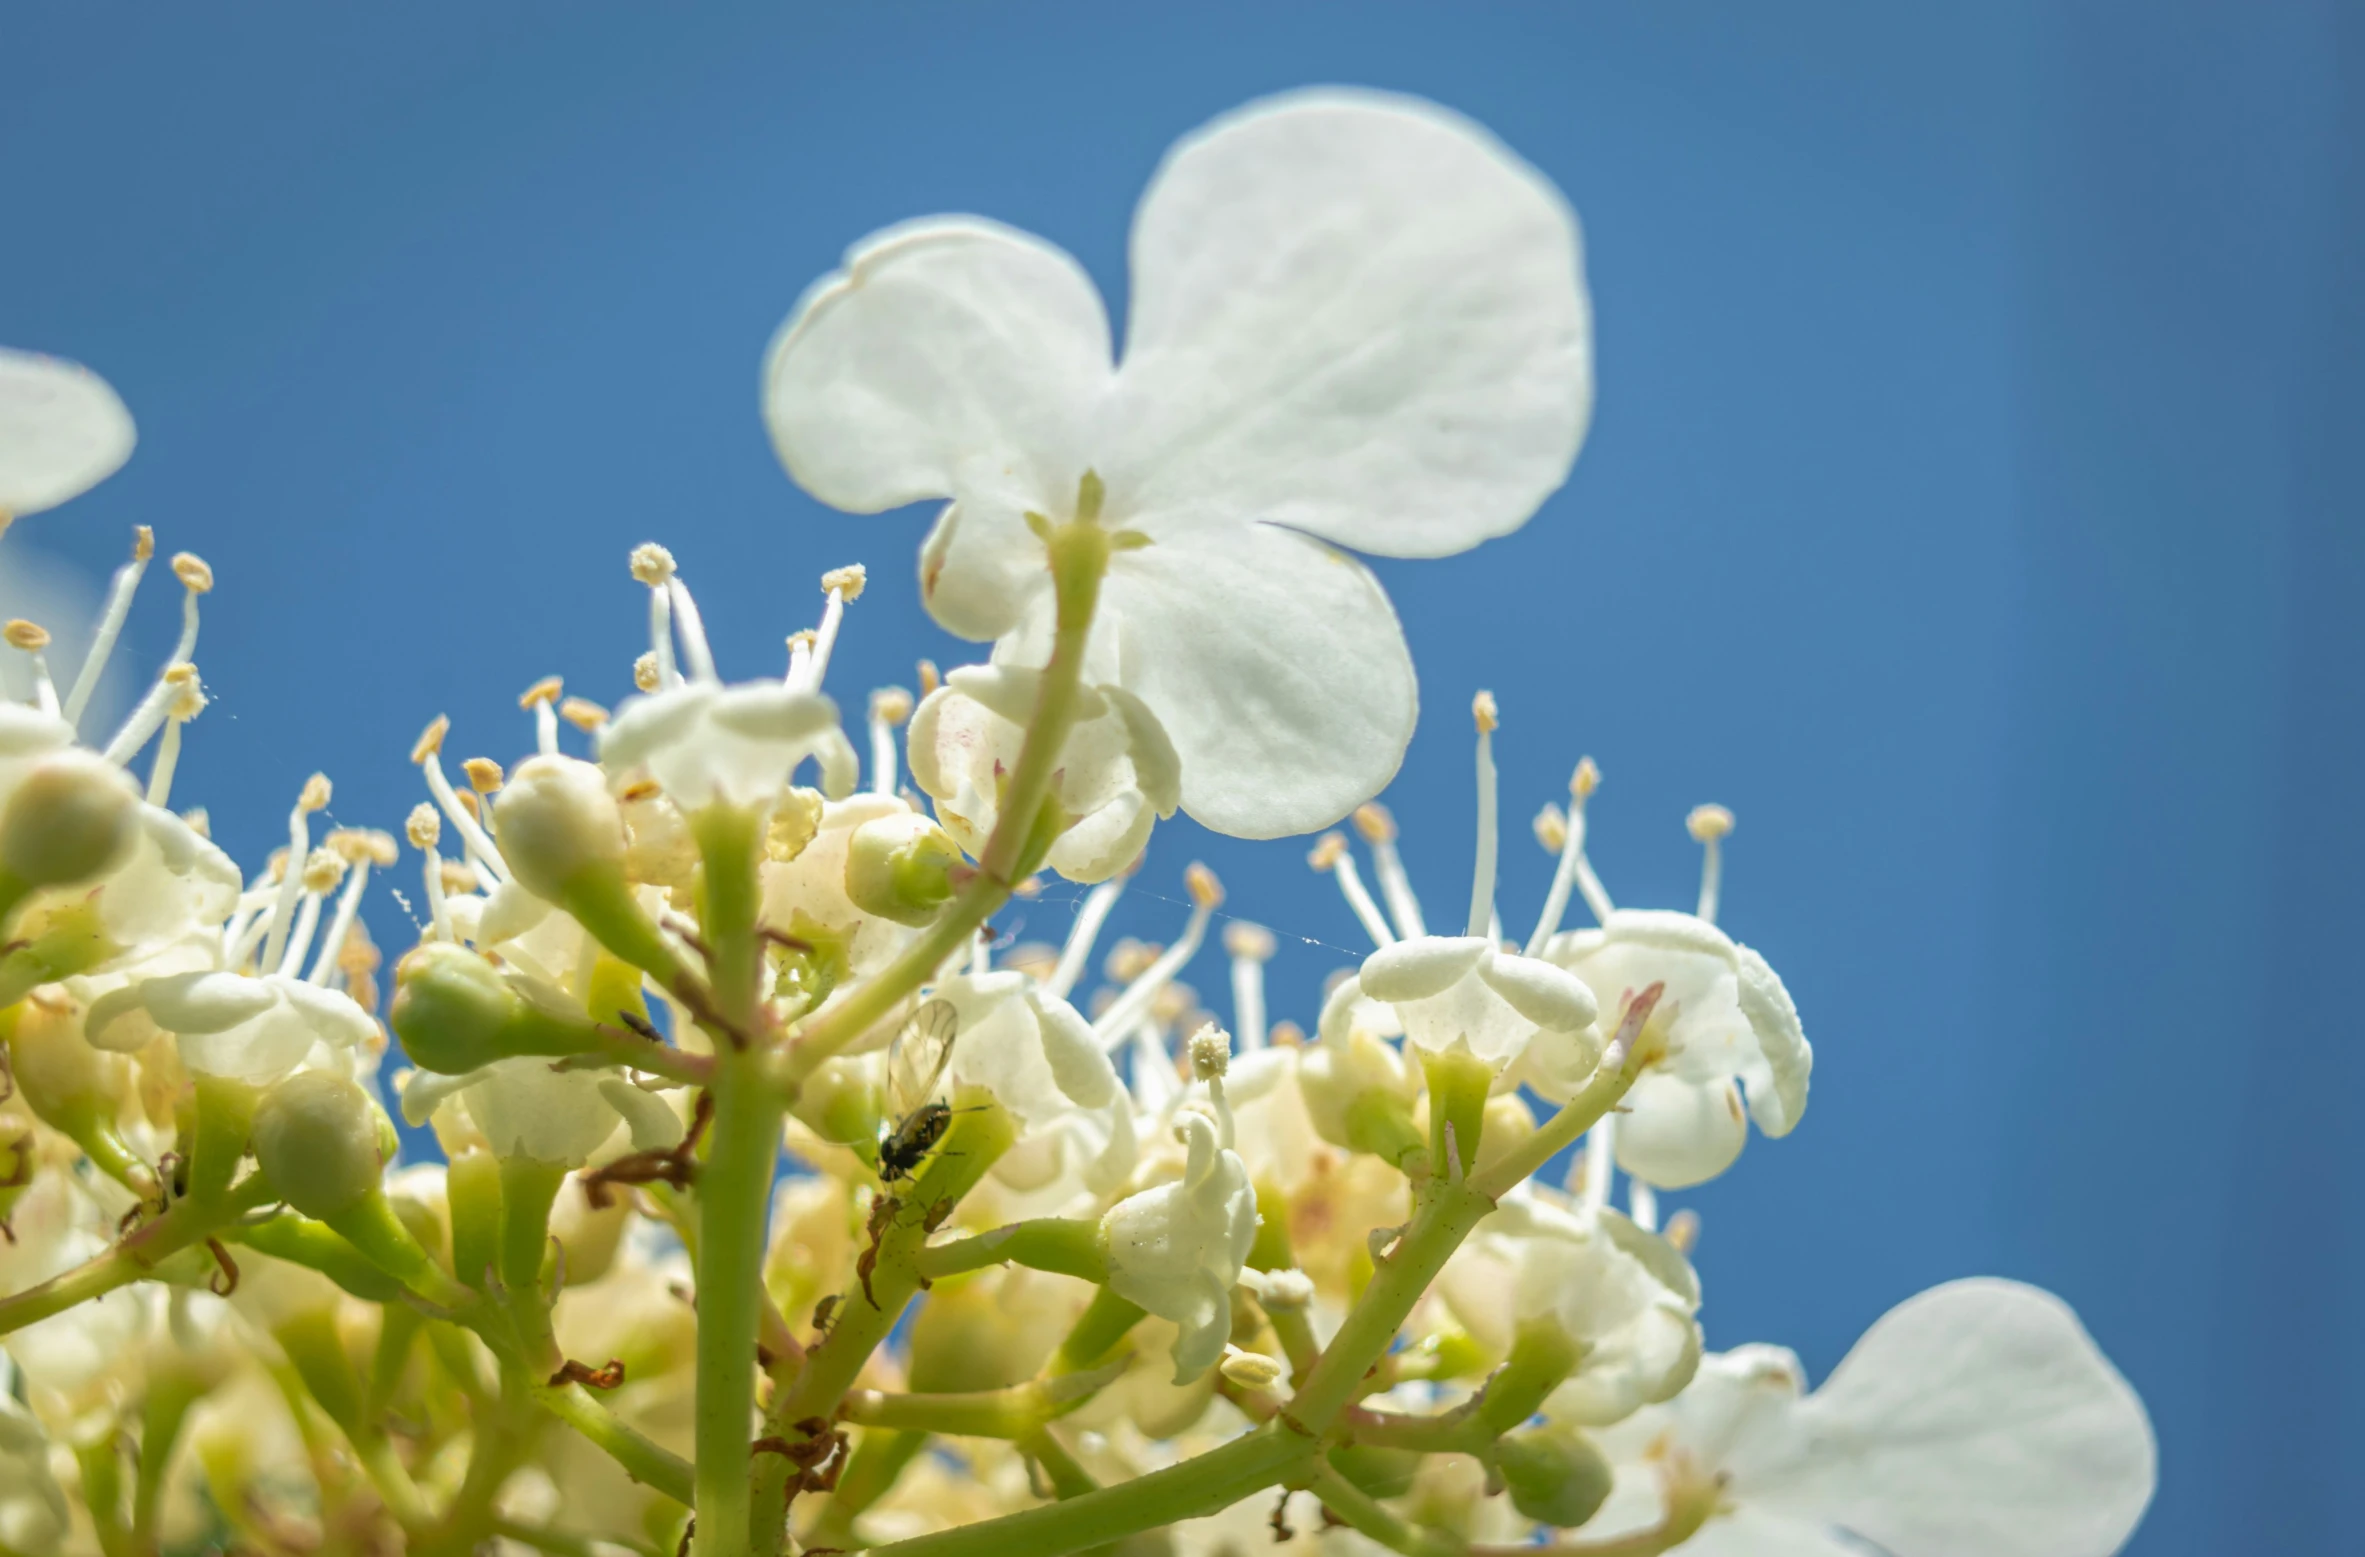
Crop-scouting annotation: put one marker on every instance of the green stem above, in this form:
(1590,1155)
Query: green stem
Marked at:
(528,1190)
(734,1207)
(170,1395)
(1069,1478)
(225,1113)
(878,1461)
(650,1464)
(188,1224)
(1064,1246)
(1365,1514)
(1619,1069)
(102,1491)
(1097,1330)
(1013,1412)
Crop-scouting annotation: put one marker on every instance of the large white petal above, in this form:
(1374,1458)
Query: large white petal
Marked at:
(1357,314)
(62,431)
(1976,1418)
(1276,666)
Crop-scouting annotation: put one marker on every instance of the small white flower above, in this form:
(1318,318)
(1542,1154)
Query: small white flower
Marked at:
(525,1108)
(1178,1248)
(1117,775)
(1729,1027)
(231,1025)
(1357,319)
(1032,1050)
(1976,1417)
(1506,1009)
(705,743)
(62,432)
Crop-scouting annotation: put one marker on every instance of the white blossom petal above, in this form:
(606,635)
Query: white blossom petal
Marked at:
(62,431)
(1678,1133)
(1356,314)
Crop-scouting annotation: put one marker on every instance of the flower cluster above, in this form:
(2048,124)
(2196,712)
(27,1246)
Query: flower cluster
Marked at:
(779,1204)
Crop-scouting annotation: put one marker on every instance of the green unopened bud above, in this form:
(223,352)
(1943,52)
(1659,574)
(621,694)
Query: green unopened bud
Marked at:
(1384,1473)
(1554,1474)
(900,867)
(69,818)
(70,1086)
(317,1141)
(842,1102)
(563,836)
(454,1011)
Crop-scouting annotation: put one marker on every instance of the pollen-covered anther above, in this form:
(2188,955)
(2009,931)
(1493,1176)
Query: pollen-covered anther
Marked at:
(425,826)
(31,637)
(315,796)
(1708,823)
(1129,959)
(195,576)
(1205,890)
(1286,1034)
(484,774)
(188,693)
(846,583)
(143,543)
(583,714)
(652,564)
(458,876)
(1374,821)
(1483,711)
(645,674)
(1250,941)
(1552,829)
(1329,849)
(891,705)
(1286,1291)
(801,640)
(1585,780)
(1210,1052)
(323,869)
(1250,1370)
(430,740)
(930,677)
(1682,1231)
(544,691)
(356,844)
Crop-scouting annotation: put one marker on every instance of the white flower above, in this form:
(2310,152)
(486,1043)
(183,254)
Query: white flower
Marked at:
(1506,1009)
(1729,1027)
(812,885)
(247,1029)
(704,742)
(1622,1294)
(1177,1249)
(1117,774)
(1357,320)
(62,432)
(1976,1417)
(1030,1049)
(526,1107)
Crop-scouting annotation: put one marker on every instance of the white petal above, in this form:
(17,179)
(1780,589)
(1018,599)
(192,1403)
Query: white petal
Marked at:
(1678,1134)
(206,1002)
(1356,314)
(1078,1064)
(1976,1417)
(331,1014)
(1156,768)
(62,431)
(1425,966)
(1277,668)
(1548,996)
(1778,1089)
(1104,841)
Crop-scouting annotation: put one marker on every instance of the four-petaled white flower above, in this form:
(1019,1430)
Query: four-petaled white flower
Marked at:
(62,432)
(1117,774)
(1178,1248)
(1975,1417)
(704,742)
(1729,1028)
(229,1024)
(1357,319)
(1518,1014)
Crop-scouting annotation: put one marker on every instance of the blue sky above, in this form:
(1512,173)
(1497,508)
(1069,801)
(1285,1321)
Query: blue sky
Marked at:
(1968,508)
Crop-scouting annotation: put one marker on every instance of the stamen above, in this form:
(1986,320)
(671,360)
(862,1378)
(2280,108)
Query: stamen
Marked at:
(1642,1204)
(1683,1231)
(125,585)
(930,680)
(1155,1086)
(473,838)
(1482,879)
(841,585)
(1710,825)
(196,579)
(1573,869)
(187,703)
(542,698)
(800,657)
(1251,946)
(1330,853)
(583,714)
(1601,1160)
(424,828)
(323,869)
(692,628)
(652,565)
(1089,918)
(30,638)
(1378,827)
(646,673)
(1132,1005)
(1210,1052)
(149,715)
(889,707)
(313,797)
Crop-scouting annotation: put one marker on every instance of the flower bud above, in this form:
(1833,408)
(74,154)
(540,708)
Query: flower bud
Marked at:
(71,816)
(1358,1094)
(317,1141)
(455,1011)
(900,867)
(1554,1474)
(558,824)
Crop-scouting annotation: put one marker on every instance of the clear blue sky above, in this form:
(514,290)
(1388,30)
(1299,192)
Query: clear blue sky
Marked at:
(1974,506)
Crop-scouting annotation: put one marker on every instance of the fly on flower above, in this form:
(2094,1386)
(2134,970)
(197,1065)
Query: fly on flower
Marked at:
(916,1063)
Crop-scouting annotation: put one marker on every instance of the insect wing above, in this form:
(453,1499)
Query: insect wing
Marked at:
(917,1060)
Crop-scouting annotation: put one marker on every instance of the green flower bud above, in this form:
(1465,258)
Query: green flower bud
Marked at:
(842,1102)
(1384,1473)
(69,818)
(316,1139)
(900,867)
(1554,1474)
(454,1011)
(558,824)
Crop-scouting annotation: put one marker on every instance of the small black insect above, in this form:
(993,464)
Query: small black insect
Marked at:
(916,1063)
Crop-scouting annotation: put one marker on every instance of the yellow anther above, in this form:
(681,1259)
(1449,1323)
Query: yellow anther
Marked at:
(644,672)
(468,803)
(1375,822)
(424,827)
(1683,1231)
(583,714)
(431,739)
(1205,890)
(929,679)
(200,821)
(652,564)
(544,691)
(355,844)
(1129,959)
(1211,1053)
(194,575)
(1708,823)
(1328,850)
(323,869)
(803,638)
(1285,1034)
(1483,710)
(316,794)
(1585,780)
(639,790)
(846,582)
(891,705)
(484,774)
(1250,941)
(1029,889)
(458,876)
(1552,829)
(143,543)
(188,693)
(31,637)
